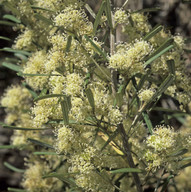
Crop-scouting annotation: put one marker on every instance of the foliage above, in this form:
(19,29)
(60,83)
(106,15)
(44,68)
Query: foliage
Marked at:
(84,109)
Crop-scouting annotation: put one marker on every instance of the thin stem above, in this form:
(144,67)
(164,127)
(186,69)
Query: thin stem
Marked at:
(129,157)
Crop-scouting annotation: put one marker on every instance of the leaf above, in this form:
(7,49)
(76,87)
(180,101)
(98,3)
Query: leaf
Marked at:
(158,55)
(11,7)
(171,66)
(186,165)
(153,32)
(68,45)
(11,167)
(61,177)
(12,66)
(5,38)
(96,47)
(24,129)
(186,159)
(12,18)
(148,122)
(167,43)
(32,92)
(179,152)
(41,8)
(154,9)
(2,22)
(109,141)
(16,190)
(44,19)
(36,142)
(166,183)
(89,9)
(126,170)
(44,153)
(90,97)
(48,96)
(21,56)
(103,73)
(8,49)
(65,111)
(7,146)
(109,13)
(98,16)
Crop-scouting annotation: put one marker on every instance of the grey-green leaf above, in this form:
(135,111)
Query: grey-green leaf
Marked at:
(90,97)
(126,170)
(11,18)
(11,167)
(98,16)
(12,66)
(40,143)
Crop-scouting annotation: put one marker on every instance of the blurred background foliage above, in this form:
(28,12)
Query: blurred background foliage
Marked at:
(174,15)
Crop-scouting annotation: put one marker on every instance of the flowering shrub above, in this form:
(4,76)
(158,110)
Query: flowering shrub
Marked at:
(84,108)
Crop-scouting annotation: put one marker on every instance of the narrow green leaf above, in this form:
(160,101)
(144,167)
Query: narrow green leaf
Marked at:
(24,128)
(48,96)
(89,9)
(40,143)
(158,55)
(90,97)
(16,190)
(65,111)
(44,153)
(186,159)
(98,16)
(153,32)
(32,92)
(154,9)
(126,170)
(44,19)
(109,13)
(103,73)
(11,8)
(11,167)
(165,185)
(12,66)
(5,38)
(12,18)
(69,41)
(8,49)
(21,56)
(111,138)
(148,122)
(96,47)
(171,66)
(7,146)
(166,83)
(61,177)
(68,102)
(167,43)
(2,22)
(41,8)
(179,152)
(186,165)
